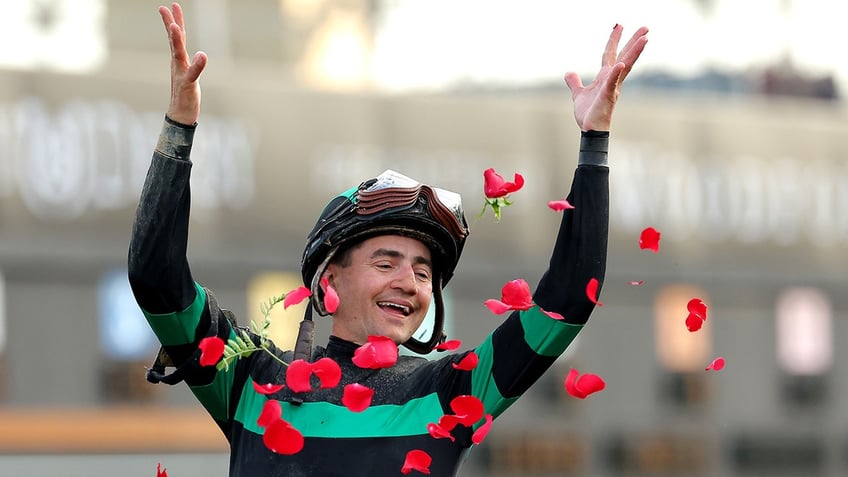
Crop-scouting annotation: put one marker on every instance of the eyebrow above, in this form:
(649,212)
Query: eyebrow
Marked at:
(386,252)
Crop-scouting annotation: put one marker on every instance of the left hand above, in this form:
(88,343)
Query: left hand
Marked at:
(594,103)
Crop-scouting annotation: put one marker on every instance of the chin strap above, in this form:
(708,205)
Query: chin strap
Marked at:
(438,336)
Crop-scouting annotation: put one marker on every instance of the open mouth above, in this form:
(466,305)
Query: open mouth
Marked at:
(394,308)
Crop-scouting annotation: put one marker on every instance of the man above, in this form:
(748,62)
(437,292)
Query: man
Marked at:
(384,249)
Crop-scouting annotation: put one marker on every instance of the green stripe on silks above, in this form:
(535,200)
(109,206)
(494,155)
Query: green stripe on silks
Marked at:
(178,328)
(483,382)
(547,336)
(323,419)
(215,396)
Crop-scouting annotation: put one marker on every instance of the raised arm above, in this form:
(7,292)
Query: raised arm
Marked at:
(185,73)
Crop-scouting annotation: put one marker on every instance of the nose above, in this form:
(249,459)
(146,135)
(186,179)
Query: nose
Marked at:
(405,280)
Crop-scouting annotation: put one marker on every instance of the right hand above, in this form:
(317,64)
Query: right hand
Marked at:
(185,86)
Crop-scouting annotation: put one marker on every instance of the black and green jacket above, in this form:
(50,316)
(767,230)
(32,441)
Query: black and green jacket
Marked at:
(407,396)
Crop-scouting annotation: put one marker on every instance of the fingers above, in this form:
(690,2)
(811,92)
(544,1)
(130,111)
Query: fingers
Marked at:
(198,64)
(631,51)
(178,15)
(611,50)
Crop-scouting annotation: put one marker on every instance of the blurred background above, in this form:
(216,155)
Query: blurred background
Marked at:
(729,138)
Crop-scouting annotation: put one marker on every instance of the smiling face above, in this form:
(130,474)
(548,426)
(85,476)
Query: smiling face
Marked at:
(384,286)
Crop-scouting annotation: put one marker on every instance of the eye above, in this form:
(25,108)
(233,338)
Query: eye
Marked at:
(423,275)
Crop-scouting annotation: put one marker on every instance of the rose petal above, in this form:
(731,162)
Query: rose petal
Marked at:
(378,352)
(211,350)
(716,365)
(268,388)
(357,397)
(331,298)
(582,386)
(449,421)
(516,294)
(298,376)
(328,371)
(271,412)
(497,307)
(553,314)
(467,363)
(416,460)
(636,283)
(282,438)
(649,239)
(560,205)
(592,291)
(160,472)
(694,322)
(696,306)
(469,409)
(296,296)
(439,432)
(482,431)
(448,345)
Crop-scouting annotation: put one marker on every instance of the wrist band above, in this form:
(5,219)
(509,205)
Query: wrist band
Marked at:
(594,147)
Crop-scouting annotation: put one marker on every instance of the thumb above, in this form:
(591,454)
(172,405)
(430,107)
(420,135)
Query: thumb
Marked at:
(573,81)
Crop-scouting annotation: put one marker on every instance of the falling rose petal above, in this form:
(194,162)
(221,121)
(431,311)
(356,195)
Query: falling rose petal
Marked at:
(328,371)
(266,389)
(469,409)
(357,397)
(560,205)
(636,283)
(592,291)
(160,472)
(482,431)
(516,294)
(497,307)
(553,314)
(271,412)
(282,438)
(439,432)
(467,363)
(694,322)
(582,386)
(298,376)
(378,352)
(697,307)
(495,186)
(448,345)
(331,298)
(416,460)
(716,365)
(211,350)
(449,421)
(296,296)
(649,239)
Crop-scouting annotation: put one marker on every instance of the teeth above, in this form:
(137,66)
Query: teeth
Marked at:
(402,308)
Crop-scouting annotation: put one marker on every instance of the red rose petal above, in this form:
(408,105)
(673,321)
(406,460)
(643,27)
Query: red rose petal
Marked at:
(469,409)
(694,322)
(298,376)
(378,352)
(497,307)
(160,472)
(282,438)
(560,205)
(553,314)
(582,386)
(439,432)
(716,365)
(649,239)
(449,421)
(698,307)
(516,294)
(269,388)
(482,431)
(592,291)
(467,363)
(357,397)
(331,298)
(271,412)
(416,460)
(495,186)
(328,371)
(636,283)
(448,345)
(211,350)
(296,296)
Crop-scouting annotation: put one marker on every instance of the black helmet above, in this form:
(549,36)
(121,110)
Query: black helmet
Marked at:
(390,203)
